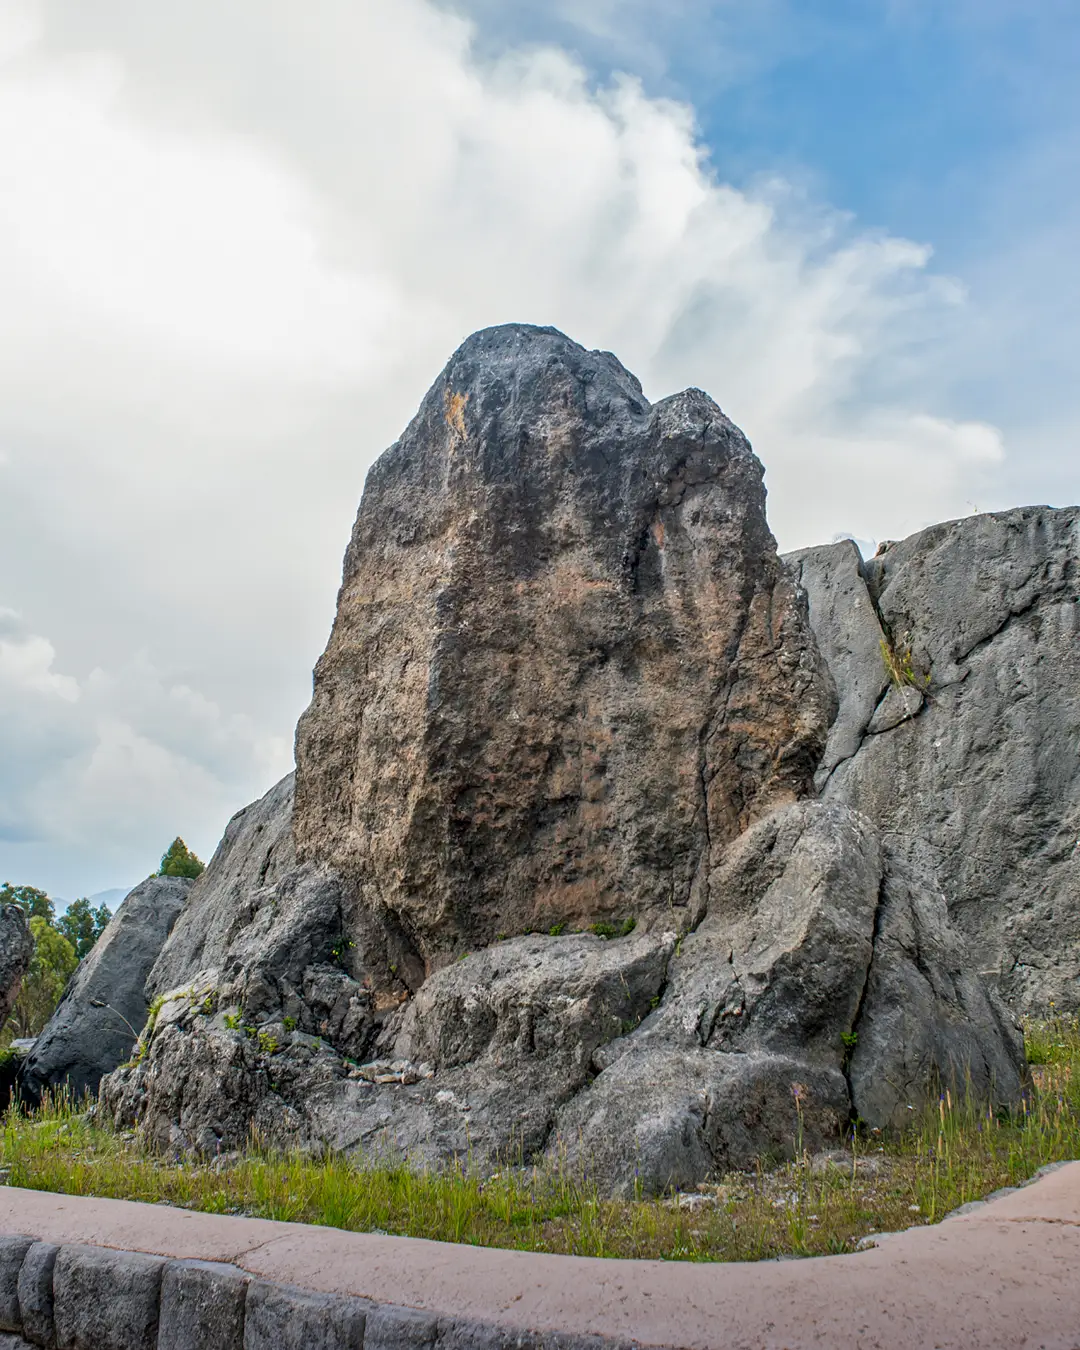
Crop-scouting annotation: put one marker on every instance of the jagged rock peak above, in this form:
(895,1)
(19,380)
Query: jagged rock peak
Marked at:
(567,664)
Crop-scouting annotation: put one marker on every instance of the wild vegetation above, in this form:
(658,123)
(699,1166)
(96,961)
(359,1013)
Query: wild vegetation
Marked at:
(876,1182)
(900,665)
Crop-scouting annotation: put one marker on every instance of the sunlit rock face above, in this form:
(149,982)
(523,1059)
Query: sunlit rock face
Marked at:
(567,666)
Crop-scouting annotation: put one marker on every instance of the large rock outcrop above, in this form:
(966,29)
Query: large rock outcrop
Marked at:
(570,687)
(967,757)
(104,1006)
(566,667)
(475,1067)
(822,982)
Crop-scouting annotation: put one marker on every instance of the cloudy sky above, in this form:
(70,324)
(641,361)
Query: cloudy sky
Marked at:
(238,241)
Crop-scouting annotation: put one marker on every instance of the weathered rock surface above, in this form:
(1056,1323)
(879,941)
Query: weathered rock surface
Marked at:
(104,1007)
(570,681)
(566,666)
(849,634)
(16,953)
(772,1024)
(926,1011)
(475,1066)
(779,1020)
(972,770)
(283,939)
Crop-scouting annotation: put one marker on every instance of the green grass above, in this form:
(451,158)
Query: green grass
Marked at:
(875,1183)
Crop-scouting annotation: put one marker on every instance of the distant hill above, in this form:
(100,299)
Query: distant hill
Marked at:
(112,898)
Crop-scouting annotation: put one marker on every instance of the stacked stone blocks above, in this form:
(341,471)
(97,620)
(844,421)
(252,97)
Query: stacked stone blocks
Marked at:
(79,1297)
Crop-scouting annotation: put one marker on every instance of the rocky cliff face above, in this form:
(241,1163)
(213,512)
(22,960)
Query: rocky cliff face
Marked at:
(571,686)
(967,756)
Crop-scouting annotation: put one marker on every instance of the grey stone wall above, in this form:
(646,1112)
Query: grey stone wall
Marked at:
(77,1297)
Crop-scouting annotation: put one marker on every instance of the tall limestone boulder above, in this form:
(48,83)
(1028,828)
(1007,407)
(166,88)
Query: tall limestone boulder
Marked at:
(548,877)
(105,1005)
(567,666)
(967,755)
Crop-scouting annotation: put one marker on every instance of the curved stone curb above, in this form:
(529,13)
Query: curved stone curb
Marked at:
(81,1297)
(97,1298)
(113,1275)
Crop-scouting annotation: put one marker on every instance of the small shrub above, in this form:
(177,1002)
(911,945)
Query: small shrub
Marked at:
(900,666)
(604,929)
(179,861)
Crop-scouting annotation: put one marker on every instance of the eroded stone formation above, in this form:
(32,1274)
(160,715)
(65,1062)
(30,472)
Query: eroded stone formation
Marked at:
(105,1005)
(571,687)
(567,665)
(970,764)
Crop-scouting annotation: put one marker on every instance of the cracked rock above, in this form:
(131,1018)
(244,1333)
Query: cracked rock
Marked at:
(821,948)
(900,704)
(980,792)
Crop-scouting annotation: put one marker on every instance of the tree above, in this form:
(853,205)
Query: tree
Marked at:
(53,963)
(83,925)
(32,902)
(179,861)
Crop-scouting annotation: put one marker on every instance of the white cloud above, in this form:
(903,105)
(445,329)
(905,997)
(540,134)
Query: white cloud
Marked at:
(104,772)
(235,248)
(26,665)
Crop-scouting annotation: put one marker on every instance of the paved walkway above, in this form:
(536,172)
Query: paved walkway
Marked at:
(1007,1274)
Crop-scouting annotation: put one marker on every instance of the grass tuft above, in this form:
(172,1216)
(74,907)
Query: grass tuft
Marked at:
(900,665)
(957,1152)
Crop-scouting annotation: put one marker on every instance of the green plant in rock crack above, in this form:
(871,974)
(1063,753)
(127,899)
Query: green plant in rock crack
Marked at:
(152,1015)
(849,1040)
(343,945)
(604,929)
(900,665)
